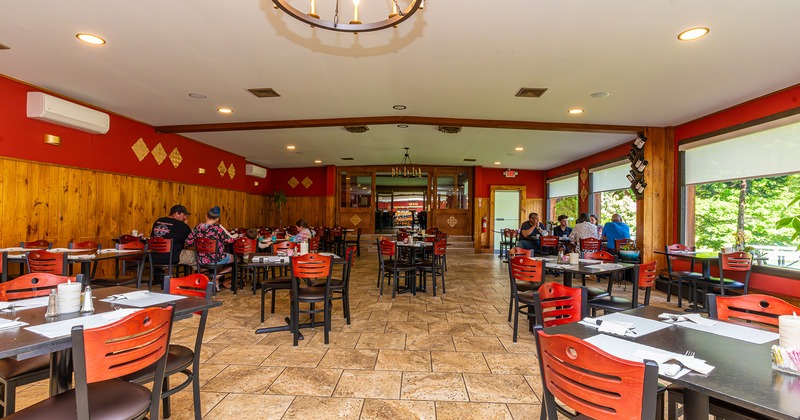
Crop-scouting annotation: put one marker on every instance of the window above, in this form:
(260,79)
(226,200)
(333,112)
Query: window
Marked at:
(562,198)
(452,191)
(356,189)
(611,193)
(744,183)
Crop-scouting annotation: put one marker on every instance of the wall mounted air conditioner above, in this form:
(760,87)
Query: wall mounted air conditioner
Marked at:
(256,171)
(58,111)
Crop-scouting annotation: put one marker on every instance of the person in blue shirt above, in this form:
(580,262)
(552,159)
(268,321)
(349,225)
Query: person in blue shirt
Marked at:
(615,229)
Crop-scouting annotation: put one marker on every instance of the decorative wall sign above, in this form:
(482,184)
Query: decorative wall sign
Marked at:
(140,149)
(584,193)
(175,157)
(231,171)
(221,168)
(293,182)
(355,220)
(307,182)
(159,154)
(584,174)
(452,221)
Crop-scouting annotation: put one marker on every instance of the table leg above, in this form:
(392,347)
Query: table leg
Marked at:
(288,328)
(567,279)
(60,371)
(695,405)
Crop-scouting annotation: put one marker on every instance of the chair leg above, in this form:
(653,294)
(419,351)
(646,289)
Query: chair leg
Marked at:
(263,298)
(516,319)
(167,410)
(198,412)
(346,305)
(272,307)
(680,295)
(510,304)
(327,315)
(294,318)
(444,288)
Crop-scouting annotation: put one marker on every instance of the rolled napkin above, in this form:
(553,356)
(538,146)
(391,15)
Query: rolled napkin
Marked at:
(663,359)
(611,327)
(789,331)
(7,324)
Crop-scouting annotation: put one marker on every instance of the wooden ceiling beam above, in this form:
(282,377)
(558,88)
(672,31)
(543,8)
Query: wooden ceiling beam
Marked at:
(410,120)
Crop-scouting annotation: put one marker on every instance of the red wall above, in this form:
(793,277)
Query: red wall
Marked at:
(318,176)
(617,152)
(486,177)
(23,138)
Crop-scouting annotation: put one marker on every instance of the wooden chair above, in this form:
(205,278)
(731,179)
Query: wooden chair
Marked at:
(276,282)
(47,262)
(162,246)
(596,292)
(434,266)
(516,252)
(391,269)
(679,278)
(592,382)
(243,246)
(181,359)
(40,244)
(102,355)
(645,275)
(341,287)
(309,268)
(313,243)
(508,240)
(590,245)
(206,246)
(549,243)
(526,275)
(355,242)
(124,279)
(734,262)
(124,262)
(556,304)
(15,373)
(3,266)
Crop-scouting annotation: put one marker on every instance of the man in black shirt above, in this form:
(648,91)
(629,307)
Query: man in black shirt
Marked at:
(174,227)
(530,232)
(562,230)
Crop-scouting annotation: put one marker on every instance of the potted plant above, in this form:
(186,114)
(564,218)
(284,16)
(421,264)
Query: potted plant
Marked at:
(629,252)
(279,199)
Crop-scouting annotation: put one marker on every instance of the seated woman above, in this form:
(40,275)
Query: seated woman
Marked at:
(304,233)
(595,221)
(583,229)
(211,229)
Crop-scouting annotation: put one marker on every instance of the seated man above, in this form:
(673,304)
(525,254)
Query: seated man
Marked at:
(615,229)
(174,227)
(530,232)
(562,230)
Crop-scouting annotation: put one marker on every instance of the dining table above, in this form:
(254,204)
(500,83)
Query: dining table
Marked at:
(583,267)
(742,373)
(704,258)
(51,335)
(84,257)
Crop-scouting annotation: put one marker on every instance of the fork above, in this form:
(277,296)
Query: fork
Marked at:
(689,353)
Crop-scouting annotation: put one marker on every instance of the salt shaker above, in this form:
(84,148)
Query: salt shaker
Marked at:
(88,305)
(52,307)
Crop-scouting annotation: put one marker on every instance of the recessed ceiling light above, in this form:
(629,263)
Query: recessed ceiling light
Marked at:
(399,107)
(575,111)
(317,161)
(497,163)
(290,147)
(224,110)
(519,149)
(196,95)
(91,39)
(692,34)
(598,95)
(402,125)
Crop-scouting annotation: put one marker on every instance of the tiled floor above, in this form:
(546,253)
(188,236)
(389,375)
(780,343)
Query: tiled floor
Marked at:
(444,357)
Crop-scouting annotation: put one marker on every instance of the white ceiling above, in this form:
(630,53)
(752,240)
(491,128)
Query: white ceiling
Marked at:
(455,59)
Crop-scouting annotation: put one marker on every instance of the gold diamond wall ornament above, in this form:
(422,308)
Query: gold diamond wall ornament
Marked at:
(175,157)
(355,220)
(584,193)
(452,221)
(221,168)
(584,174)
(307,182)
(140,149)
(293,182)
(231,171)
(159,154)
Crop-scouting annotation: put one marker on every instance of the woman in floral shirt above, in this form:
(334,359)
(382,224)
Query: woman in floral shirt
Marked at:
(211,229)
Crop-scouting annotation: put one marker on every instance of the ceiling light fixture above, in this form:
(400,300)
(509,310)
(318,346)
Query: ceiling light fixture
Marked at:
(396,15)
(497,163)
(693,33)
(290,147)
(406,169)
(519,149)
(402,125)
(196,95)
(90,39)
(599,95)
(575,111)
(317,161)
(224,110)
(399,107)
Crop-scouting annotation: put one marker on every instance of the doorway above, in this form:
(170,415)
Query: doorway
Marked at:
(505,211)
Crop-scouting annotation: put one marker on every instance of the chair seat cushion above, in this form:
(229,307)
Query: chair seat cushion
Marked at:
(525,297)
(611,303)
(526,286)
(685,275)
(108,400)
(311,294)
(178,358)
(10,368)
(595,292)
(729,284)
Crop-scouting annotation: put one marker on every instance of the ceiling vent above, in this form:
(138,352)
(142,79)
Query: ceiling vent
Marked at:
(356,128)
(264,93)
(347,158)
(3,47)
(531,92)
(470,160)
(449,130)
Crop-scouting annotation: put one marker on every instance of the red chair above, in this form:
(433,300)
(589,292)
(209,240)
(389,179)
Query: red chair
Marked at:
(90,247)
(341,287)
(124,279)
(734,262)
(181,359)
(37,244)
(47,262)
(680,277)
(592,382)
(208,247)
(275,283)
(556,304)
(526,275)
(763,310)
(241,247)
(124,239)
(645,275)
(313,244)
(550,243)
(595,292)
(158,245)
(519,252)
(590,245)
(310,268)
(434,266)
(102,355)
(15,373)
(391,269)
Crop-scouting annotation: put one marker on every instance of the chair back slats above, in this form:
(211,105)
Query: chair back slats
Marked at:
(242,246)
(285,246)
(736,261)
(549,241)
(311,266)
(33,285)
(160,245)
(387,248)
(593,382)
(313,243)
(47,262)
(671,258)
(440,247)
(600,255)
(124,239)
(519,252)
(524,268)
(590,244)
(557,304)
(618,243)
(205,246)
(763,309)
(90,246)
(123,347)
(37,244)
(195,285)
(647,274)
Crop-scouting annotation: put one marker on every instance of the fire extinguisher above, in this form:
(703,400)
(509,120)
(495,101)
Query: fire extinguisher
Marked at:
(484,224)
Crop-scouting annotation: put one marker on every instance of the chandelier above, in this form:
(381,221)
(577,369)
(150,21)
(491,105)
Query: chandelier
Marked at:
(406,168)
(395,16)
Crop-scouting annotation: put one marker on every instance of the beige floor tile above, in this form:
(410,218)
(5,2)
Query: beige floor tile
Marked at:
(405,360)
(251,406)
(314,408)
(471,318)
(398,410)
(427,317)
(499,388)
(478,344)
(471,411)
(369,384)
(370,326)
(336,340)
(349,359)
(523,344)
(286,339)
(392,316)
(208,372)
(525,411)
(500,330)
(207,351)
(243,379)
(295,357)
(451,361)
(448,328)
(245,337)
(183,403)
(302,381)
(381,341)
(430,342)
(237,354)
(512,363)
(407,327)
(535,382)
(433,386)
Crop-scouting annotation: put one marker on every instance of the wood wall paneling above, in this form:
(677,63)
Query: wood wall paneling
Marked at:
(655,211)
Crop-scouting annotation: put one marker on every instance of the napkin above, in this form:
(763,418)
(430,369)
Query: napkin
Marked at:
(611,327)
(7,324)
(130,295)
(82,257)
(696,318)
(690,363)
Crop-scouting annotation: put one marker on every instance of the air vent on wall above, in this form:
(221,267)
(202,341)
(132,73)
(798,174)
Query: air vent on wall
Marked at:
(449,130)
(3,47)
(264,92)
(347,158)
(357,128)
(531,92)
(470,160)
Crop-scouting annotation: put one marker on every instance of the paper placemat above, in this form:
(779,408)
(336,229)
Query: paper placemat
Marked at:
(329,254)
(641,326)
(63,328)
(9,324)
(20,305)
(604,266)
(71,250)
(142,299)
(636,352)
(82,257)
(737,332)
(121,251)
(562,266)
(19,249)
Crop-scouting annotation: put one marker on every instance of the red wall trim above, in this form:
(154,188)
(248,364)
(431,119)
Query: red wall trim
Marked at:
(486,177)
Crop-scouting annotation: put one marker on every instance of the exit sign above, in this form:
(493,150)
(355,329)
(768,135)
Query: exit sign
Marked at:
(510,174)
